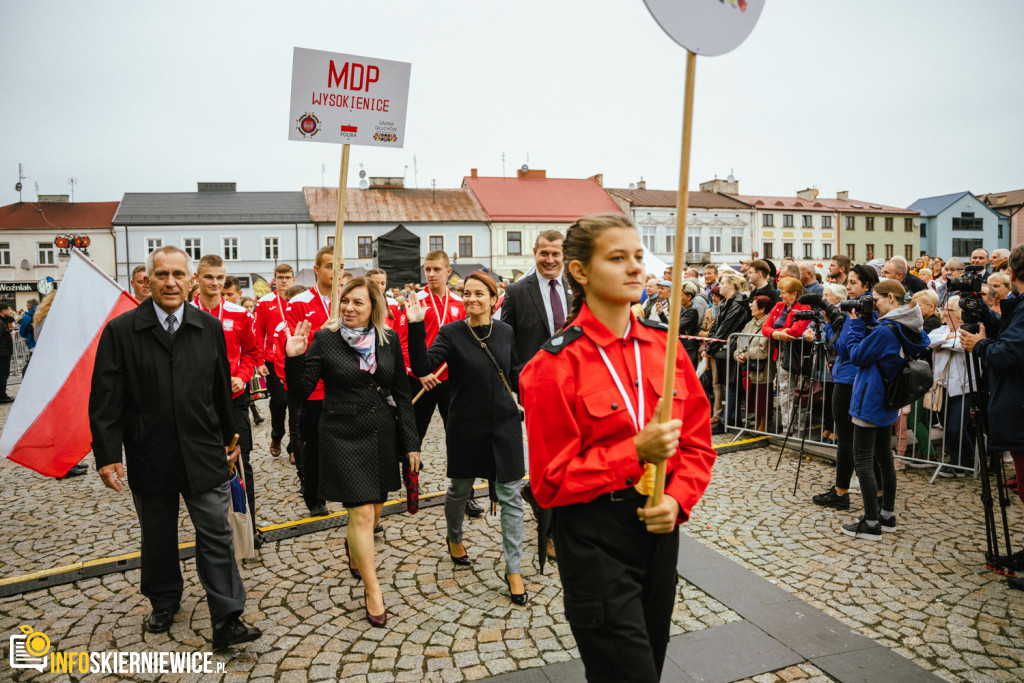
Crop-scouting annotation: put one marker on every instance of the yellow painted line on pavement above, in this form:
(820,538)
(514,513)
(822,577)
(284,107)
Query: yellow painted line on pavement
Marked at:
(272,527)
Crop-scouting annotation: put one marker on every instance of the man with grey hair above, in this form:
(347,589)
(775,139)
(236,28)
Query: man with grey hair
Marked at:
(1000,255)
(807,279)
(896,269)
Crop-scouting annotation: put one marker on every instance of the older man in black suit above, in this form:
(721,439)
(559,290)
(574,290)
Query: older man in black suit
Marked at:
(537,305)
(162,387)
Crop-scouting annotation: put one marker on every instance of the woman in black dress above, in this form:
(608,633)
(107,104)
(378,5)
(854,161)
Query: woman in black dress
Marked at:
(484,437)
(367,424)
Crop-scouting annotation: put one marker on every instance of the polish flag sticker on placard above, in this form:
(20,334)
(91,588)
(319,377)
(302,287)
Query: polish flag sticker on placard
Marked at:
(707,27)
(48,426)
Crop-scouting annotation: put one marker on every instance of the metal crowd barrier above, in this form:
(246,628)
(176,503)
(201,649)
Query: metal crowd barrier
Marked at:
(762,397)
(19,358)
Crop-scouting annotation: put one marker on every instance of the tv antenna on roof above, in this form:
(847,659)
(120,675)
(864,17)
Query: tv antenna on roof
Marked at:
(72,181)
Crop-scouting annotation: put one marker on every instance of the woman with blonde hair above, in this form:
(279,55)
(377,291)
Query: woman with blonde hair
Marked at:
(367,425)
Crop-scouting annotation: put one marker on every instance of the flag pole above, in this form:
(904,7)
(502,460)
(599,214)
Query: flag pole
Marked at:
(339,227)
(682,207)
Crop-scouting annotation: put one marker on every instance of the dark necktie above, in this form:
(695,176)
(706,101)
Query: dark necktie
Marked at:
(171,322)
(557,314)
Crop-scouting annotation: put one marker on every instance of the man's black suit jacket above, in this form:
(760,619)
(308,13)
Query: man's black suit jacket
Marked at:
(168,400)
(523,310)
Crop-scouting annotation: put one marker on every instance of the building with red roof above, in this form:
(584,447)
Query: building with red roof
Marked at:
(521,208)
(28,230)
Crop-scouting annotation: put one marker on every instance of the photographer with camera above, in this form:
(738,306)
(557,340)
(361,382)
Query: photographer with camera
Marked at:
(787,331)
(1002,357)
(859,282)
(879,356)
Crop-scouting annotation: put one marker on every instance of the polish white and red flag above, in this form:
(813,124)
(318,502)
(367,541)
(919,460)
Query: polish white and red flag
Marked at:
(48,426)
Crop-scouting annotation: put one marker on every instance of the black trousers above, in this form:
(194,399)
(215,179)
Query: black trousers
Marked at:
(872,451)
(215,557)
(5,373)
(619,588)
(311,453)
(240,412)
(278,404)
(439,397)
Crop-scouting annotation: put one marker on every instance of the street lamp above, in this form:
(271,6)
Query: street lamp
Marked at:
(65,242)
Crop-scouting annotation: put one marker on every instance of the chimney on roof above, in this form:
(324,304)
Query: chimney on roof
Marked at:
(216,187)
(472,173)
(641,184)
(728,186)
(381,183)
(597,178)
(531,174)
(809,194)
(52,199)
(844,195)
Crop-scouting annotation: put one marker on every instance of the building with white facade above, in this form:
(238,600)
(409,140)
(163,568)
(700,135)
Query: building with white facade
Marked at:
(446,219)
(251,231)
(719,228)
(521,208)
(27,250)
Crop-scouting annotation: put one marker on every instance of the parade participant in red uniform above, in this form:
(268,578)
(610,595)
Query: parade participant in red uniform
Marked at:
(270,315)
(590,397)
(313,306)
(242,356)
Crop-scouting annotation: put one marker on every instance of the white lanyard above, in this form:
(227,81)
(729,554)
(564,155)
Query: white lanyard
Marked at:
(320,298)
(280,309)
(440,318)
(220,309)
(638,416)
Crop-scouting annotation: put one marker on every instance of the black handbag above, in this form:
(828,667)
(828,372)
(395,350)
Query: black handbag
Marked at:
(501,373)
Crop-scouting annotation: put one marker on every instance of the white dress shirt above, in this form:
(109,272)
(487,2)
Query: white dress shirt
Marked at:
(161,316)
(545,296)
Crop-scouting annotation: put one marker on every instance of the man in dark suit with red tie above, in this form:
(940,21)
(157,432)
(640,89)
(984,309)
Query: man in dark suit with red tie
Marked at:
(537,305)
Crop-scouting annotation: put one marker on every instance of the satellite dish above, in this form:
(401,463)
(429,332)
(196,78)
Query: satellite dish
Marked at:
(632,186)
(362,173)
(363,184)
(525,168)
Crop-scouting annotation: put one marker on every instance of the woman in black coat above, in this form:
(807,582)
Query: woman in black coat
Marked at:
(484,435)
(367,424)
(732,316)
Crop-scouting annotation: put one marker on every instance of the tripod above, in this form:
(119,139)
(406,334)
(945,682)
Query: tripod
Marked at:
(977,387)
(805,386)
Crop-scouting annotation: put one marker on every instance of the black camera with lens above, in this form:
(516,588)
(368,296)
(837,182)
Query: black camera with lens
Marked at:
(864,306)
(821,308)
(972,304)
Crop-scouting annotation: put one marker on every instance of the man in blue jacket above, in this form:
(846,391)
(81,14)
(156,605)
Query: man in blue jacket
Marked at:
(1002,357)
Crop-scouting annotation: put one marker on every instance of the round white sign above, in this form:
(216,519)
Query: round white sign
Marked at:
(706,27)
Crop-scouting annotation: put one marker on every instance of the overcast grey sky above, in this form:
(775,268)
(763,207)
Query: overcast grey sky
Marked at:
(890,100)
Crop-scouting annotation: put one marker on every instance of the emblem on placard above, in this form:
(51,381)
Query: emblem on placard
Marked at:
(385,137)
(308,125)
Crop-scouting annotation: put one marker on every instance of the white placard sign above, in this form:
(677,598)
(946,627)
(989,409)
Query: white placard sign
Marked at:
(707,27)
(348,99)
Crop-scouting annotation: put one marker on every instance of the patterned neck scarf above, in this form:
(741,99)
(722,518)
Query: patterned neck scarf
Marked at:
(364,341)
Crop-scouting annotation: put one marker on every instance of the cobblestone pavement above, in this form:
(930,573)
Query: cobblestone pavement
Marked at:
(922,592)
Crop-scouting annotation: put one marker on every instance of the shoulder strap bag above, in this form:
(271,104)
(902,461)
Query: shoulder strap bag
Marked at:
(501,373)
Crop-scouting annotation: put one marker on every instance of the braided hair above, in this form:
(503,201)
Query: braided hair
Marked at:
(579,246)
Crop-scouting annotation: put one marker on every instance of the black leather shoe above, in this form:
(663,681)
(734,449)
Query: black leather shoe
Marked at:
(1016,582)
(517,598)
(160,620)
(319,511)
(76,471)
(473,509)
(257,540)
(233,633)
(463,561)
(6,399)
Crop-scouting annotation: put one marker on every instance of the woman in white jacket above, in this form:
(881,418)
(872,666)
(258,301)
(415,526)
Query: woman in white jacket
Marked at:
(950,367)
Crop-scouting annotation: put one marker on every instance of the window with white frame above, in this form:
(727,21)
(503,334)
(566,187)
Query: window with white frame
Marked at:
(45,254)
(826,221)
(270,249)
(693,243)
(649,233)
(670,242)
(514,243)
(716,240)
(737,241)
(153,243)
(826,251)
(193,246)
(808,251)
(230,248)
(5,253)
(436,242)
(808,221)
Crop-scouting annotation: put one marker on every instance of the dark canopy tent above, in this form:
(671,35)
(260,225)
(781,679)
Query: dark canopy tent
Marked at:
(398,254)
(463,269)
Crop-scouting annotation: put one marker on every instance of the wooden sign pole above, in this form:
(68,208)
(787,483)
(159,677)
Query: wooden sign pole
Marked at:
(339,227)
(682,207)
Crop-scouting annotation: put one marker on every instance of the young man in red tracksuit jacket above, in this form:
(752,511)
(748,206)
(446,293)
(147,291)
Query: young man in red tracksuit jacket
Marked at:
(313,305)
(242,355)
(270,311)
